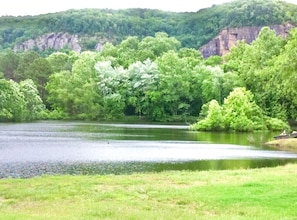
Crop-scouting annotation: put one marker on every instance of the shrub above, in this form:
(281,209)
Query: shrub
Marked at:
(239,112)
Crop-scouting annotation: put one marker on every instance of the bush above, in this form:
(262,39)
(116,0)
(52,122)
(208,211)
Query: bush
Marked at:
(275,124)
(213,120)
(238,113)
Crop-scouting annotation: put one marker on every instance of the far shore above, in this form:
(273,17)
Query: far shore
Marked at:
(288,144)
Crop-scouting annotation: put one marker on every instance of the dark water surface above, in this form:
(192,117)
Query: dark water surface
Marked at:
(31,149)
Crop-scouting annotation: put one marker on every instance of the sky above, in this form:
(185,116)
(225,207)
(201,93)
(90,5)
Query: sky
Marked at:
(36,7)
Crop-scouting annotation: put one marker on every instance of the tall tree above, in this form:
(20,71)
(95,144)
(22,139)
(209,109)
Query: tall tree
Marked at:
(254,65)
(285,70)
(112,84)
(159,44)
(9,62)
(12,101)
(39,71)
(25,60)
(60,61)
(85,97)
(35,109)
(60,98)
(143,79)
(176,83)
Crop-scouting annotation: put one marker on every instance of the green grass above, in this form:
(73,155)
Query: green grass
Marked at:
(266,193)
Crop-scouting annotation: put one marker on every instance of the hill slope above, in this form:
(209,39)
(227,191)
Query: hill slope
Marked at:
(191,29)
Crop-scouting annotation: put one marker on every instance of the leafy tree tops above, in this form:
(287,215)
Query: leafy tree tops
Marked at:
(246,90)
(20,101)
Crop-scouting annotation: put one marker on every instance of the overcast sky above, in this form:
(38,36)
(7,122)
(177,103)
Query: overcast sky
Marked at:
(35,7)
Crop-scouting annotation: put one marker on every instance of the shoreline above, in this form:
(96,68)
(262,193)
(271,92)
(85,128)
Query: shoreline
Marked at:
(288,144)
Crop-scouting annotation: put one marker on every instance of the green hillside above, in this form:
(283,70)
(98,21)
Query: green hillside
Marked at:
(191,29)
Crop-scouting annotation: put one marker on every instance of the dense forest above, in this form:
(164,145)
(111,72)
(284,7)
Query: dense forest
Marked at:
(191,29)
(157,78)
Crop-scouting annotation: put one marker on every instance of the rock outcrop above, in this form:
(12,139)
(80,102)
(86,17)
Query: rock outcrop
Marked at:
(228,37)
(219,45)
(55,41)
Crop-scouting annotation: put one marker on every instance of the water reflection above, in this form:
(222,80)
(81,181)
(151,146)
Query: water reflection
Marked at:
(31,149)
(239,138)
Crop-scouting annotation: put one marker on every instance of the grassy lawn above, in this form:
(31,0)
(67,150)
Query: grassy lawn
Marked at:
(266,193)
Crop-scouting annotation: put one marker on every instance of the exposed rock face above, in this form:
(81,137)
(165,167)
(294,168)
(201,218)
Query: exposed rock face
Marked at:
(51,41)
(219,45)
(99,46)
(227,38)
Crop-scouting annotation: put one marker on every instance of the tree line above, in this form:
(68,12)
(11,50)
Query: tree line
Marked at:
(251,88)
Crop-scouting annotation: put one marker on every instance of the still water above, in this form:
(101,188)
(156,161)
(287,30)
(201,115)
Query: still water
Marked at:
(32,149)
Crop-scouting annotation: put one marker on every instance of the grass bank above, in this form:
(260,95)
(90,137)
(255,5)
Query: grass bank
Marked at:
(289,144)
(266,193)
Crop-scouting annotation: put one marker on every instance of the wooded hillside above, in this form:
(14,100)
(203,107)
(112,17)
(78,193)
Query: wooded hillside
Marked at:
(192,29)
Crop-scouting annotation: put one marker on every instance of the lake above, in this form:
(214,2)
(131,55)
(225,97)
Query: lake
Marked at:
(57,147)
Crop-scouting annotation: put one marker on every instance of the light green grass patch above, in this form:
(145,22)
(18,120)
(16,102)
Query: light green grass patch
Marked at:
(267,193)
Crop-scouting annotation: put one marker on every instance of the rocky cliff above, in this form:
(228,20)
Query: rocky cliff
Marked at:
(51,41)
(220,45)
(228,37)
(58,41)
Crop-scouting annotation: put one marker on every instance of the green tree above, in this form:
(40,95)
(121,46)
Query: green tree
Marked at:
(25,60)
(143,79)
(12,101)
(214,61)
(285,70)
(259,56)
(132,50)
(127,51)
(214,119)
(112,83)
(39,71)
(174,83)
(35,109)
(158,45)
(254,64)
(9,62)
(75,94)
(179,88)
(234,59)
(85,95)
(210,80)
(239,112)
(59,95)
(61,61)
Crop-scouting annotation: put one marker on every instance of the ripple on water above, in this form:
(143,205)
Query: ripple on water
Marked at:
(33,149)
